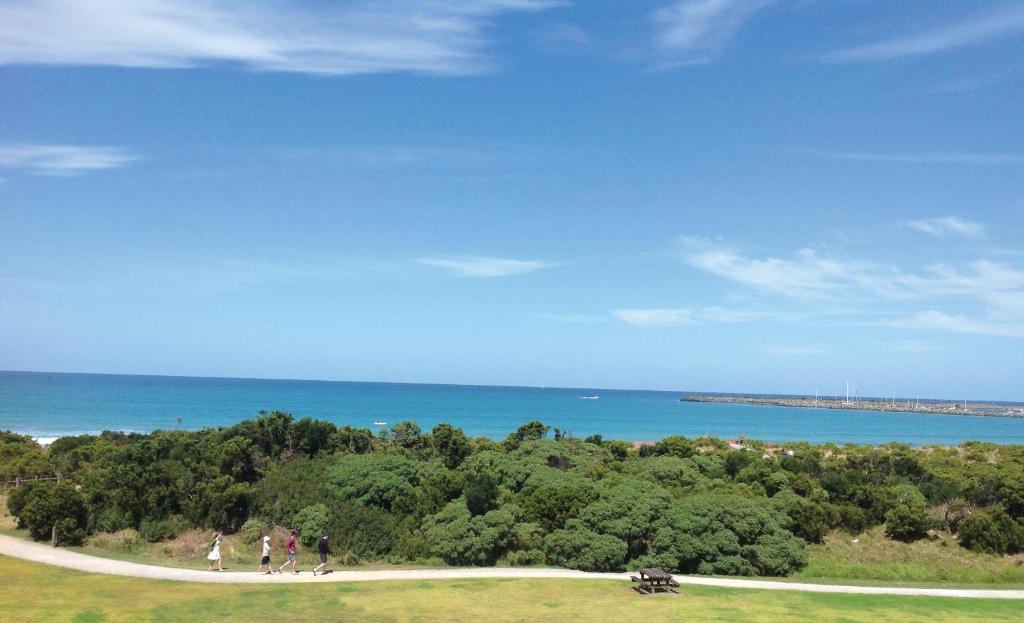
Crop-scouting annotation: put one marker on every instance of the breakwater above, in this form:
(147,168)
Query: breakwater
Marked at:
(893,405)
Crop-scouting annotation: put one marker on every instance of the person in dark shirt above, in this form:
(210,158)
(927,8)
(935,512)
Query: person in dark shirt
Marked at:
(323,550)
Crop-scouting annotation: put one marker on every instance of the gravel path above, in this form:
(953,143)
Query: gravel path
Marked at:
(36,552)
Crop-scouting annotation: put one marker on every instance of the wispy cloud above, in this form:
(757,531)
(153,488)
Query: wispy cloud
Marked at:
(681,316)
(659,317)
(958,323)
(923,157)
(947,225)
(477,266)
(62,159)
(691,32)
(1001,22)
(808,276)
(440,37)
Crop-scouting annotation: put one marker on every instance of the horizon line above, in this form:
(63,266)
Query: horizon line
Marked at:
(539,387)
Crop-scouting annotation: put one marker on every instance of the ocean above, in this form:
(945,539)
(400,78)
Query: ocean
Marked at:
(56,404)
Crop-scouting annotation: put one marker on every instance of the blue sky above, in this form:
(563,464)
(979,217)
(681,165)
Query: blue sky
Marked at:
(722,195)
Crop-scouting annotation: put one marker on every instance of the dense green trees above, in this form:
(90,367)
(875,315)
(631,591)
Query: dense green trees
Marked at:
(460,538)
(992,531)
(20,458)
(56,510)
(726,534)
(577,547)
(688,505)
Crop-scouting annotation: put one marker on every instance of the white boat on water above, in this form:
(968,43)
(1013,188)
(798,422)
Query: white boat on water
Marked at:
(379,423)
(589,397)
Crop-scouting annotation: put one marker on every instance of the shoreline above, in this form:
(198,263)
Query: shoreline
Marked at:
(893,406)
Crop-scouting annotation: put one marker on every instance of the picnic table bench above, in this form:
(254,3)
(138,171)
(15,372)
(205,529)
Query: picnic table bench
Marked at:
(654,580)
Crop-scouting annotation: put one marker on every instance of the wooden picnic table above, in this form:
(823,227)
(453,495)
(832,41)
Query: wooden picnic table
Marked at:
(653,580)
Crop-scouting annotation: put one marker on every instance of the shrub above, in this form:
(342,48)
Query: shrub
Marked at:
(56,509)
(311,522)
(526,432)
(385,481)
(451,444)
(463,539)
(906,522)
(153,530)
(16,501)
(991,531)
(289,487)
(253,529)
(726,534)
(481,492)
(369,533)
(674,445)
(525,558)
(808,520)
(579,548)
(553,497)
(853,519)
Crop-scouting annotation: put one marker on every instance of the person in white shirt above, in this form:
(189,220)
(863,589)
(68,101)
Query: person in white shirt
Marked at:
(266,557)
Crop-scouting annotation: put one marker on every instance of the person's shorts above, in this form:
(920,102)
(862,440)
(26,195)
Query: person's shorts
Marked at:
(265,560)
(323,559)
(291,557)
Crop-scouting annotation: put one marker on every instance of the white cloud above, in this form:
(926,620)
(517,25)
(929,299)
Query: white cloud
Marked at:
(695,31)
(944,225)
(62,159)
(662,317)
(476,266)
(680,316)
(807,275)
(995,287)
(994,24)
(440,37)
(933,319)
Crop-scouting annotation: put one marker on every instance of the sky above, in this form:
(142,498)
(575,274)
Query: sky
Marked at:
(777,196)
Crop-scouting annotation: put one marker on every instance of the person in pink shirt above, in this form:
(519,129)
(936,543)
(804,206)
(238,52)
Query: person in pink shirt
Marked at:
(293,552)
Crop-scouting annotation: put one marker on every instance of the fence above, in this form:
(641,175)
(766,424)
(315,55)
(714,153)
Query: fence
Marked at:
(17,482)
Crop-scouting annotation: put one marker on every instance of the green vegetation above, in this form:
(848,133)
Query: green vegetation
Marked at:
(406,496)
(876,559)
(40,594)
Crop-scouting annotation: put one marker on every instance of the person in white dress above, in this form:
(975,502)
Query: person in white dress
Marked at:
(214,555)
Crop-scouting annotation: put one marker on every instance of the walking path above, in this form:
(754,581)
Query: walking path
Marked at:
(36,552)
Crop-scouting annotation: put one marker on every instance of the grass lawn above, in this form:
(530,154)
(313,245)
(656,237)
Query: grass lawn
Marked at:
(37,593)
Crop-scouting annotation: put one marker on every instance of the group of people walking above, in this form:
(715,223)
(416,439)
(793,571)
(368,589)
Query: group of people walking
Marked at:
(292,547)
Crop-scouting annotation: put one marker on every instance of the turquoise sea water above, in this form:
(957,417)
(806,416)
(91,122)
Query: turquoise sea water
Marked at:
(50,405)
